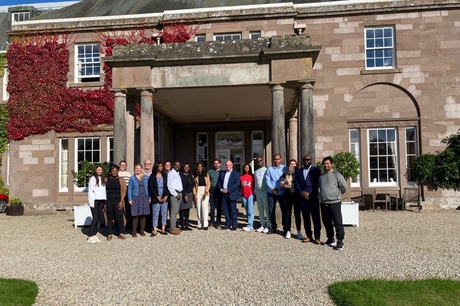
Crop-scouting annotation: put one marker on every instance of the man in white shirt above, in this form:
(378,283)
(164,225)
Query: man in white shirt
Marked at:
(175,189)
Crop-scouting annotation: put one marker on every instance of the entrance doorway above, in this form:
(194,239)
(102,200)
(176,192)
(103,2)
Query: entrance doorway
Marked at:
(230,146)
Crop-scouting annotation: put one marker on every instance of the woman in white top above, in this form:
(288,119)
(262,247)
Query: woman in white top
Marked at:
(96,198)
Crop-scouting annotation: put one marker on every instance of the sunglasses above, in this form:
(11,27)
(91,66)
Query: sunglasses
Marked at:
(259,160)
(307,159)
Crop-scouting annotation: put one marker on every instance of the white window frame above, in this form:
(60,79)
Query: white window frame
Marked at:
(408,155)
(110,149)
(255,35)
(93,161)
(17,17)
(200,37)
(355,149)
(5,95)
(378,48)
(228,36)
(87,59)
(63,166)
(395,159)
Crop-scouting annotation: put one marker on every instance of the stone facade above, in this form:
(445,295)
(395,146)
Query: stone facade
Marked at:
(214,88)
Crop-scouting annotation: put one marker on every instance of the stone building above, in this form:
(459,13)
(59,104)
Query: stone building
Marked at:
(377,78)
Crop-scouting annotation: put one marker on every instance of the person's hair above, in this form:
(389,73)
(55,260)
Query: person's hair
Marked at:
(296,163)
(329,158)
(155,167)
(138,164)
(204,172)
(123,161)
(167,162)
(96,176)
(217,160)
(250,169)
(277,154)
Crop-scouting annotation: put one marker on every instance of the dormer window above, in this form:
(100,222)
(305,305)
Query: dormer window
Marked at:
(19,17)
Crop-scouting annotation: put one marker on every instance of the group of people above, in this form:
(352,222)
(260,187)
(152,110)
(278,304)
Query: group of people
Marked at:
(153,191)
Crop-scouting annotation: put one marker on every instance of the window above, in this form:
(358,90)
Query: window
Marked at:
(411,154)
(202,148)
(227,36)
(88,149)
(257,144)
(88,64)
(19,17)
(63,164)
(382,145)
(5,83)
(355,150)
(200,37)
(110,149)
(380,48)
(254,35)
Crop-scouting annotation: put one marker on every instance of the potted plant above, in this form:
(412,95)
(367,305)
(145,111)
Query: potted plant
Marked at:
(15,207)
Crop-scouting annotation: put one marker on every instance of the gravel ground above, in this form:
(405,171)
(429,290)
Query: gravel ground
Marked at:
(222,267)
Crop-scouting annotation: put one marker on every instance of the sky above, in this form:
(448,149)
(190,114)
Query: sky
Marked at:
(18,2)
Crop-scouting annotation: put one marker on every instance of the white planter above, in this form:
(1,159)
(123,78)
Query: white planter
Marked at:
(82,215)
(350,213)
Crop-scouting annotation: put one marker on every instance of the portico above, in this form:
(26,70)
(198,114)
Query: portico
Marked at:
(237,88)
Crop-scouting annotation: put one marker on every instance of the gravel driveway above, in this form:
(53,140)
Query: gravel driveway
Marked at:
(218,267)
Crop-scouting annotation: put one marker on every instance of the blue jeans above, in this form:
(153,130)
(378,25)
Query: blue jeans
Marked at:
(249,206)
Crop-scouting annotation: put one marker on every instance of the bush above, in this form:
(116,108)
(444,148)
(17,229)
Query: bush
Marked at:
(345,163)
(3,189)
(82,176)
(15,202)
(441,170)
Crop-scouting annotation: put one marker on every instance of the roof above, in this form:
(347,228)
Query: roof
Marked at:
(95,8)
(3,28)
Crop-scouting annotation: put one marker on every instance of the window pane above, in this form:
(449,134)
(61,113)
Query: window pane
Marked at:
(381,42)
(382,156)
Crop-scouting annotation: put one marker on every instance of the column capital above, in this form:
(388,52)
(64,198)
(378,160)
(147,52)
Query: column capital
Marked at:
(119,91)
(146,91)
(275,86)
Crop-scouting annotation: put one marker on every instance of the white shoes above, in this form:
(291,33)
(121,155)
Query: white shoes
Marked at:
(265,230)
(260,229)
(92,240)
(97,238)
(247,229)
(288,235)
(299,236)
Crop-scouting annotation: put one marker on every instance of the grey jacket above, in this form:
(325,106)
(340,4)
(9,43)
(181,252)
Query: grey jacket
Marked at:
(332,185)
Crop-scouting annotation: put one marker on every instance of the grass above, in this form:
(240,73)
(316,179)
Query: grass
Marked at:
(428,292)
(17,292)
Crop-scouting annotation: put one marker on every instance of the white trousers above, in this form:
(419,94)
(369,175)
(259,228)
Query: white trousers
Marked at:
(202,205)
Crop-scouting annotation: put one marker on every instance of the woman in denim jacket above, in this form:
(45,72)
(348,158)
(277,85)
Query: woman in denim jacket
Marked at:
(139,199)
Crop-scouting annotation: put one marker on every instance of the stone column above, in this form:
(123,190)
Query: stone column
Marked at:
(119,126)
(278,123)
(307,124)
(147,128)
(293,137)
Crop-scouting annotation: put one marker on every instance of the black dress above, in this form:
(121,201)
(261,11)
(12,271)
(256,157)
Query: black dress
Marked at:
(113,190)
(187,190)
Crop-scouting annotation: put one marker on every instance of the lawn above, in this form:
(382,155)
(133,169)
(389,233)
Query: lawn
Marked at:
(17,292)
(428,292)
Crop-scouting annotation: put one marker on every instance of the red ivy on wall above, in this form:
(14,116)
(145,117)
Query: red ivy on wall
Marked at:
(39,100)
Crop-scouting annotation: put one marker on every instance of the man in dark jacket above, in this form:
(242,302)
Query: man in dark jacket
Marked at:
(228,185)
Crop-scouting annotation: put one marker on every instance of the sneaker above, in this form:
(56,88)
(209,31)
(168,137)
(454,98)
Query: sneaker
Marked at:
(260,229)
(247,229)
(299,236)
(96,238)
(288,235)
(265,230)
(91,240)
(330,242)
(339,246)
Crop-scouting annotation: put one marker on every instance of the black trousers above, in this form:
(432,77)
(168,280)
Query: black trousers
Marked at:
(113,211)
(332,217)
(310,208)
(292,199)
(96,211)
(272,199)
(184,218)
(215,201)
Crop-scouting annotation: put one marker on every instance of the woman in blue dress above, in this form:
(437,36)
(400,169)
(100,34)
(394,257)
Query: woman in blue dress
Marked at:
(139,199)
(159,194)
